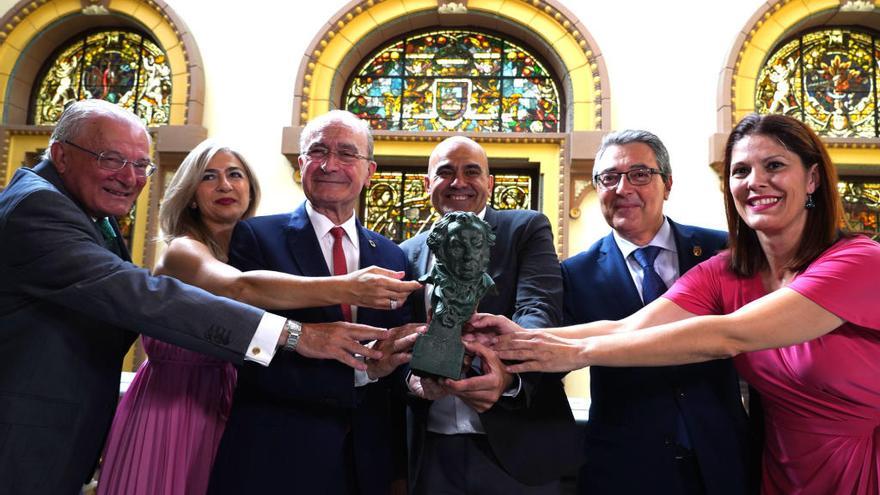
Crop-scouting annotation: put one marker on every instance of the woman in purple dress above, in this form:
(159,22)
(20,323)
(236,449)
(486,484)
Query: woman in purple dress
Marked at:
(169,423)
(793,299)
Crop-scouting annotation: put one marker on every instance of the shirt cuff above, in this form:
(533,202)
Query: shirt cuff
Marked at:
(515,387)
(361,378)
(265,342)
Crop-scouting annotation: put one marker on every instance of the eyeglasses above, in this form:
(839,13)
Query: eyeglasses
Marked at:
(635,176)
(347,157)
(109,160)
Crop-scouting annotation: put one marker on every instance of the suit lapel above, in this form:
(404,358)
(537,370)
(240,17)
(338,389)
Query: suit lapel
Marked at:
(690,252)
(302,244)
(369,254)
(120,244)
(611,261)
(46,170)
(497,253)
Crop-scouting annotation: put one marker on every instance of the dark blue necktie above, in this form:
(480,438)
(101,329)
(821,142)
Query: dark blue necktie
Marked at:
(652,288)
(652,285)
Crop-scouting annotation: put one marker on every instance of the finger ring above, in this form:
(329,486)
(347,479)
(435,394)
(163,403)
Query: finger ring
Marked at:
(393,304)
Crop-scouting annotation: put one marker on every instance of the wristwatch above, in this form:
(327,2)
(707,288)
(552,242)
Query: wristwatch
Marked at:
(294,330)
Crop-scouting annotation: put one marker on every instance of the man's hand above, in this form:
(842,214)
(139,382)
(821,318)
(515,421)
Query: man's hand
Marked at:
(483,391)
(340,341)
(425,388)
(395,350)
(484,327)
(376,287)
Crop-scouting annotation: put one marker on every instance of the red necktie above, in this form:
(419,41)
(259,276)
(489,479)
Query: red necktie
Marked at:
(340,267)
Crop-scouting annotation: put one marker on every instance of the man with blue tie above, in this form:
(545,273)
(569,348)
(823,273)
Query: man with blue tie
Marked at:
(672,430)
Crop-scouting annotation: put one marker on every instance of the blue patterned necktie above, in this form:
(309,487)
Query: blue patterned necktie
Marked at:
(652,285)
(652,288)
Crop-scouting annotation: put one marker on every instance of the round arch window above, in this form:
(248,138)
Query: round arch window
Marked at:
(827,79)
(455,80)
(124,67)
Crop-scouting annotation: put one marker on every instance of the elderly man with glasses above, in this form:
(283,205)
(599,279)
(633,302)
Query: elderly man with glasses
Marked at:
(71,303)
(677,429)
(308,425)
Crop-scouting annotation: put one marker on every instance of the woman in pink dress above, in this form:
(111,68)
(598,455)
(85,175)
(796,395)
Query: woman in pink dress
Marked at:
(793,299)
(169,423)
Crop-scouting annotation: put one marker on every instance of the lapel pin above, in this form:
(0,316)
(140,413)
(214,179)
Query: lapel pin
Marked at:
(698,251)
(372,243)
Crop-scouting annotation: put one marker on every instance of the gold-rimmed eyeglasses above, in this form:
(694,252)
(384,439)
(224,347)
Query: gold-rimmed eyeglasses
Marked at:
(109,160)
(320,154)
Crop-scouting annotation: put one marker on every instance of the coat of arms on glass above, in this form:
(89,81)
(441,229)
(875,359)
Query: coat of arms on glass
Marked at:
(397,205)
(861,207)
(455,80)
(122,67)
(827,79)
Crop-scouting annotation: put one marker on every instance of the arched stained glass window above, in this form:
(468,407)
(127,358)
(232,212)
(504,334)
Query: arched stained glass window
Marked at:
(455,80)
(122,67)
(397,205)
(861,206)
(827,79)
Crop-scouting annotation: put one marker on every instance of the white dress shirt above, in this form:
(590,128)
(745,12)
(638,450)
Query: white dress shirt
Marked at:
(352,248)
(666,263)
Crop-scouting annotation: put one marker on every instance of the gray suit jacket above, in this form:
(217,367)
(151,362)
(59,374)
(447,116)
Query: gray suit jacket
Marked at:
(534,435)
(69,310)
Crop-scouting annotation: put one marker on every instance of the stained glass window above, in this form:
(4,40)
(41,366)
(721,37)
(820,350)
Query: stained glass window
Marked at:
(861,206)
(396,203)
(122,67)
(827,79)
(455,80)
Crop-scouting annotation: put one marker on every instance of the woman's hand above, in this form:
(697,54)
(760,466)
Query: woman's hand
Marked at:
(484,327)
(376,287)
(537,350)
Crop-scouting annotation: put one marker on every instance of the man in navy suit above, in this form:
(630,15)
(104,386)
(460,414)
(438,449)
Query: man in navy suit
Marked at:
(493,433)
(71,302)
(307,425)
(671,430)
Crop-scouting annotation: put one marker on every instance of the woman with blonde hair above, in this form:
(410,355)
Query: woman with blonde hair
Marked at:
(168,425)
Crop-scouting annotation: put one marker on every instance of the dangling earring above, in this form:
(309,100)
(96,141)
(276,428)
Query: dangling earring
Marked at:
(810,203)
(194,206)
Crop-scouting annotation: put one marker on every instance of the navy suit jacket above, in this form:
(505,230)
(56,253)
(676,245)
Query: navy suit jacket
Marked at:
(300,425)
(69,309)
(533,436)
(630,433)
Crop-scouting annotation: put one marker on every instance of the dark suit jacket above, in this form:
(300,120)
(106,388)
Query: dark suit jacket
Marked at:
(300,425)
(68,312)
(533,436)
(632,421)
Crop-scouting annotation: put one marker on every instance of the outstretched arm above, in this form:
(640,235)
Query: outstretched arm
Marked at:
(779,319)
(191,261)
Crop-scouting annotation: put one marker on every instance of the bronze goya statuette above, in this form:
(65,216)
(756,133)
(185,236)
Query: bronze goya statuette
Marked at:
(460,242)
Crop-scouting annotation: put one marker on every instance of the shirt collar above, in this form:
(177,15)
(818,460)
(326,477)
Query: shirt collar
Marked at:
(322,224)
(663,238)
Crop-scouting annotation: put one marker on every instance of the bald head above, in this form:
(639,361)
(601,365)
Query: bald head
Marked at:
(458,176)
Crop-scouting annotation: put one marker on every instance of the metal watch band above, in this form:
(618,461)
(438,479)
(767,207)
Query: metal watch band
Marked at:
(294,330)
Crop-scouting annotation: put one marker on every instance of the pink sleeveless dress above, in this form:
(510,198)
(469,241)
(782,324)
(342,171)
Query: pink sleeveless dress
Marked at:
(168,425)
